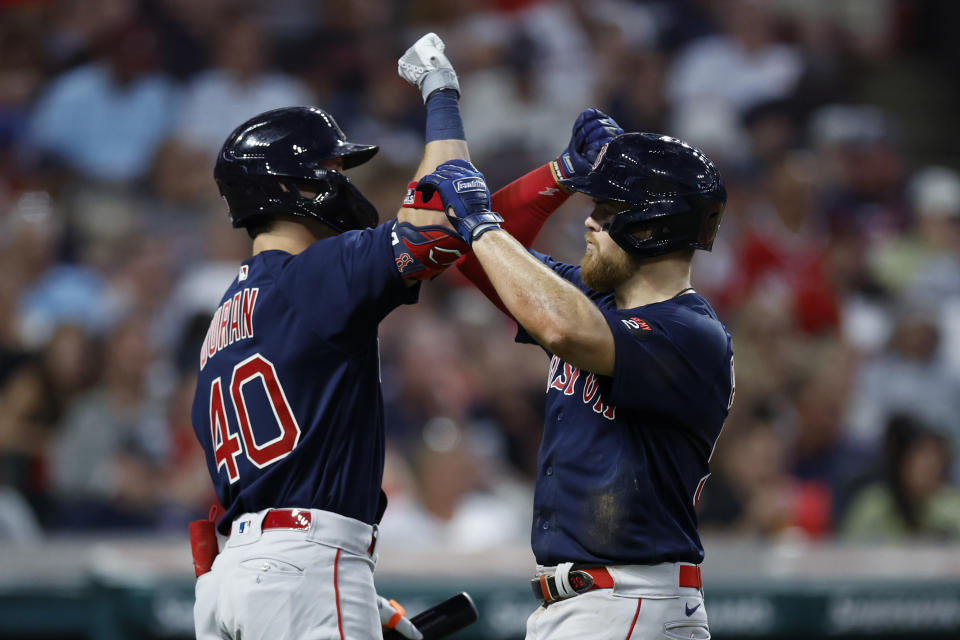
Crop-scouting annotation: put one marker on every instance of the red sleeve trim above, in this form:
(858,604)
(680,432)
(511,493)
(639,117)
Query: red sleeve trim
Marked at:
(414,199)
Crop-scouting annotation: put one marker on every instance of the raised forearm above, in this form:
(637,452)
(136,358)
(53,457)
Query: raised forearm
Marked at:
(437,152)
(553,311)
(425,66)
(525,204)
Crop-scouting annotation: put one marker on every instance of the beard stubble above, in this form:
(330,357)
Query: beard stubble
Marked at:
(604,273)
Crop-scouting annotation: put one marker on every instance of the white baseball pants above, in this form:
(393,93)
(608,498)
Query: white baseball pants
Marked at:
(645,603)
(290,585)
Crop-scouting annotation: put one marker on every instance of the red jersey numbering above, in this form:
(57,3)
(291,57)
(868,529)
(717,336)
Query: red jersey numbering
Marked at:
(566,380)
(227,446)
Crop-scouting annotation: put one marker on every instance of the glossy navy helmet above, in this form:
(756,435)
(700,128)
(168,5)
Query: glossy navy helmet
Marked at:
(266,160)
(671,196)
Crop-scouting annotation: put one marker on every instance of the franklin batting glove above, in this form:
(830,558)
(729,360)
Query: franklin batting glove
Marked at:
(592,129)
(394,616)
(426,67)
(465,197)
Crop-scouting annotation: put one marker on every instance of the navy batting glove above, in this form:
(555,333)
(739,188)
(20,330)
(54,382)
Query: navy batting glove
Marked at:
(465,197)
(591,131)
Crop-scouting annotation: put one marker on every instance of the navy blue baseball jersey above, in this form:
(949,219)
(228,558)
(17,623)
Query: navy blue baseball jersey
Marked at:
(623,458)
(288,405)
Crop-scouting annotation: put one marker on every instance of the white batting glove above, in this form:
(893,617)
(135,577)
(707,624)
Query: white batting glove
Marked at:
(393,616)
(425,67)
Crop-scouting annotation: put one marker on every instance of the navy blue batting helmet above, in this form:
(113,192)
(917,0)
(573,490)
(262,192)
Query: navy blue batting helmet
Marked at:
(672,196)
(267,159)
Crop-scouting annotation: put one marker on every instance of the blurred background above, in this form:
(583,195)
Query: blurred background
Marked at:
(834,503)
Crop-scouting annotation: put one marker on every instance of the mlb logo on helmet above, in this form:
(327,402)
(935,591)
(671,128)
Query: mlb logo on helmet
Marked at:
(462,185)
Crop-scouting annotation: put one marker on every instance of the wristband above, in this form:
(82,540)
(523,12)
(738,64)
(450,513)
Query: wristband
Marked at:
(557,173)
(443,115)
(414,199)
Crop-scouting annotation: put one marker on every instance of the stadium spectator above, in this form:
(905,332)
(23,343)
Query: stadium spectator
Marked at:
(715,80)
(21,78)
(926,261)
(187,493)
(753,493)
(46,291)
(240,85)
(783,249)
(909,377)
(34,397)
(914,499)
(744,65)
(864,172)
(452,500)
(820,448)
(105,120)
(112,440)
(935,196)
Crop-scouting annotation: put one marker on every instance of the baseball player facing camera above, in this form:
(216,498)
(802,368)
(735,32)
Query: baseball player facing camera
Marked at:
(288,405)
(640,378)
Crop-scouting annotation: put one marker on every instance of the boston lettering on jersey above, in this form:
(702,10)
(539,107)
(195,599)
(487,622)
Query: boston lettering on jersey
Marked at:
(624,457)
(232,321)
(566,382)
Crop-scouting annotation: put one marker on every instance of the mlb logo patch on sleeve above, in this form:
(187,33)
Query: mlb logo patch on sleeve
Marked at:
(243,273)
(638,327)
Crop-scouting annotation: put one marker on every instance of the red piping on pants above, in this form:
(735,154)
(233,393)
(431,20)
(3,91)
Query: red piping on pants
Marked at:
(635,616)
(336,591)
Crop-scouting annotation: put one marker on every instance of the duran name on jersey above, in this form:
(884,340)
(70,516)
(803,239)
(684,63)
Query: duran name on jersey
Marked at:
(288,405)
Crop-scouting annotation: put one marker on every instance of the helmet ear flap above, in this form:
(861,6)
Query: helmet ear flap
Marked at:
(247,197)
(656,228)
(709,228)
(337,203)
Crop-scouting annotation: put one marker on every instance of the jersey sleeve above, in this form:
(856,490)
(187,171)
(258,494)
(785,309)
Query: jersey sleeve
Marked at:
(348,281)
(671,363)
(568,272)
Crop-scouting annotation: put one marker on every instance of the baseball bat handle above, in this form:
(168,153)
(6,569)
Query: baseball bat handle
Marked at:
(443,619)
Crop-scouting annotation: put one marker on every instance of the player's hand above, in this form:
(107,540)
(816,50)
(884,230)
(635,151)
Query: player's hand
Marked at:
(393,616)
(465,197)
(426,67)
(592,129)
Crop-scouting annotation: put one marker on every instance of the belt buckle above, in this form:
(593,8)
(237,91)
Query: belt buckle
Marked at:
(547,590)
(301,519)
(580,581)
(289,519)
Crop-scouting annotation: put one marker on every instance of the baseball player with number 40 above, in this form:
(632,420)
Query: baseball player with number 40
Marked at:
(288,404)
(640,378)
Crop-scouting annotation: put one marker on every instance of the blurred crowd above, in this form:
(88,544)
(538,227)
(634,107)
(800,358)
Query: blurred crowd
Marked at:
(837,269)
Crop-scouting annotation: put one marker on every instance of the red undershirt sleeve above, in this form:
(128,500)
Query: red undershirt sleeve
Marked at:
(525,205)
